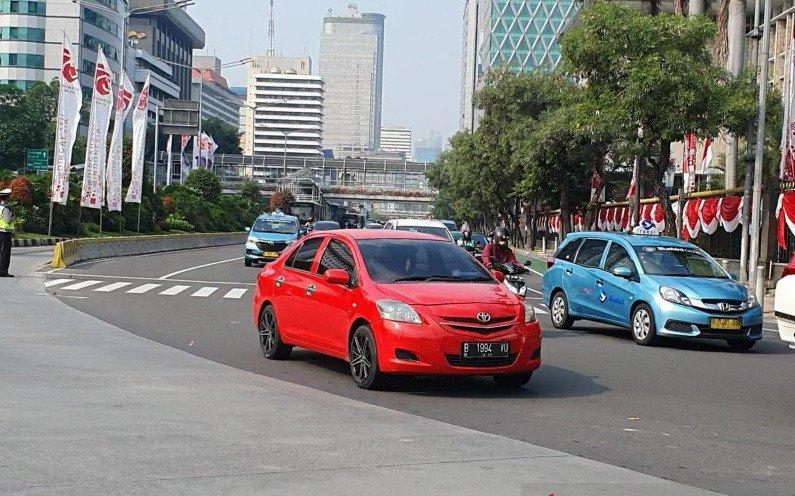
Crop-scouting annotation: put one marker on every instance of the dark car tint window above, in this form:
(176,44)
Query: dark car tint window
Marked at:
(617,256)
(569,250)
(434,231)
(677,261)
(302,258)
(337,256)
(279,226)
(590,253)
(326,226)
(398,260)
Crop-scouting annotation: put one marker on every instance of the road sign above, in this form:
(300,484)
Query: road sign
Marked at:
(37,160)
(180,117)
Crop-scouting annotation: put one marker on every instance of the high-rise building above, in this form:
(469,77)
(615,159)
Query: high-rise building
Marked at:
(284,107)
(396,140)
(428,149)
(519,35)
(352,68)
(211,88)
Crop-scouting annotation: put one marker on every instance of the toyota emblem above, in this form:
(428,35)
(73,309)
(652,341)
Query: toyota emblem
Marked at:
(483,317)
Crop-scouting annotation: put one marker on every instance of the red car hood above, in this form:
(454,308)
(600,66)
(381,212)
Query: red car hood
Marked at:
(449,293)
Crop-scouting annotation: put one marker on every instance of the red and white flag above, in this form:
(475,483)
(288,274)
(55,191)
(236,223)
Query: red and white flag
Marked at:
(596,185)
(183,159)
(140,121)
(70,101)
(689,163)
(169,149)
(93,195)
(633,183)
(788,129)
(124,97)
(706,156)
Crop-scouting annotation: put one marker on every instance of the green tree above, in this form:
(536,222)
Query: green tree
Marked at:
(26,120)
(205,182)
(226,137)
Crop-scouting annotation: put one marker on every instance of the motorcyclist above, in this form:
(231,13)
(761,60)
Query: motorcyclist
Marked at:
(499,251)
(466,238)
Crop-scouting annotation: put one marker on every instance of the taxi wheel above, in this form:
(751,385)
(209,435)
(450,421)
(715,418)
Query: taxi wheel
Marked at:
(247,262)
(559,310)
(644,330)
(269,341)
(363,359)
(740,345)
(512,381)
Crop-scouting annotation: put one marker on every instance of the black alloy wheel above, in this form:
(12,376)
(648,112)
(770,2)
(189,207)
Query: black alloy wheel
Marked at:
(363,359)
(269,340)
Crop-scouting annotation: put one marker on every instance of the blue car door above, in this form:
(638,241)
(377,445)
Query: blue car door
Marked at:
(616,294)
(582,277)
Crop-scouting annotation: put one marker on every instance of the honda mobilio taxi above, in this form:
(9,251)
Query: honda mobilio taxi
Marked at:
(395,302)
(653,285)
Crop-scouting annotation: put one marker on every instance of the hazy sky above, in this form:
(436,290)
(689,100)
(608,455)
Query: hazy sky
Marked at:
(422,53)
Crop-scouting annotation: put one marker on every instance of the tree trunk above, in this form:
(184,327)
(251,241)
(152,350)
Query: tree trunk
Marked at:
(661,190)
(720,43)
(565,209)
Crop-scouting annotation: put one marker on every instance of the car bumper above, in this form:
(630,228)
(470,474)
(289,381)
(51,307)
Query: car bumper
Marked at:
(254,254)
(682,321)
(438,351)
(786,327)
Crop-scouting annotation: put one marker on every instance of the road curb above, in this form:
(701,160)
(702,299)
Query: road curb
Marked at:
(28,242)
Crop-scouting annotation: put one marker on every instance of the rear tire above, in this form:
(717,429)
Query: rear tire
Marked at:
(270,341)
(363,359)
(740,345)
(644,330)
(512,381)
(247,262)
(559,311)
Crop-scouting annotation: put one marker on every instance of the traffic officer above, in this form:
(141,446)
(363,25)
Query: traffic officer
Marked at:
(6,230)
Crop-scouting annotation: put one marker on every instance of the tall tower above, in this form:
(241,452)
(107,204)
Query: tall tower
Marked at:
(271,52)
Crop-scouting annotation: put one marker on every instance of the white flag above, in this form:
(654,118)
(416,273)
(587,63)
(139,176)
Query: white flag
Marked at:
(140,121)
(114,174)
(196,152)
(70,101)
(706,156)
(93,195)
(208,148)
(787,172)
(169,146)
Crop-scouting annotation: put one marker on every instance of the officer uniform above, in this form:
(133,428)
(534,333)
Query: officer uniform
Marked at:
(6,230)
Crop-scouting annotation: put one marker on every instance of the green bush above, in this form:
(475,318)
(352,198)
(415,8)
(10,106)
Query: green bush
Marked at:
(176,223)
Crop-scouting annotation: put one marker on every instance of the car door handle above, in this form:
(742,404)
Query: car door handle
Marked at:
(567,271)
(279,281)
(310,289)
(600,282)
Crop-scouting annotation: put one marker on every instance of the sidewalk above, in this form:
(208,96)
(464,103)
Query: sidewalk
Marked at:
(89,409)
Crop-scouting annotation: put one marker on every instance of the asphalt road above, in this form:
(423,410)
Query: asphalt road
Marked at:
(691,412)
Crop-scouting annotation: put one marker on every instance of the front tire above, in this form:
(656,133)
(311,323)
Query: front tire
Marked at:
(559,311)
(644,330)
(740,345)
(270,341)
(363,359)
(247,262)
(512,381)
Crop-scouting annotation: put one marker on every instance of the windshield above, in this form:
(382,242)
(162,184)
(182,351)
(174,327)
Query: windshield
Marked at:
(419,260)
(434,231)
(450,225)
(287,226)
(677,261)
(326,226)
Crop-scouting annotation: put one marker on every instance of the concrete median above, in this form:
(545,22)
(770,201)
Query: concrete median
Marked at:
(70,252)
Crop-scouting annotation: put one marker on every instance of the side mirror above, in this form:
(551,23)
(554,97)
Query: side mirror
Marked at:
(248,229)
(498,275)
(622,272)
(337,276)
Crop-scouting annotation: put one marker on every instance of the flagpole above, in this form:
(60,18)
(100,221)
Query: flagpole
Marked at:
(139,217)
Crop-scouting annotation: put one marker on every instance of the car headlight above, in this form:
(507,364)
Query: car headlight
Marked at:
(750,301)
(529,313)
(397,311)
(674,295)
(290,242)
(252,239)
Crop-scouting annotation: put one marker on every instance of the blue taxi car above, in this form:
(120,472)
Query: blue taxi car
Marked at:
(653,285)
(269,236)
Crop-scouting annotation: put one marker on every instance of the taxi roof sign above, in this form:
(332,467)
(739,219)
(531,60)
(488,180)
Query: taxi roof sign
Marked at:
(646,227)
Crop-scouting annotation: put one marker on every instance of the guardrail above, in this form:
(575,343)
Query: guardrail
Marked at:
(70,252)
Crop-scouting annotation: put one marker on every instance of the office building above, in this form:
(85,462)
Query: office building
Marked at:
(428,149)
(396,140)
(284,108)
(519,35)
(211,88)
(352,68)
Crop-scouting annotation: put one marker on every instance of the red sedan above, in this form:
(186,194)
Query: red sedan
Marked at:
(395,302)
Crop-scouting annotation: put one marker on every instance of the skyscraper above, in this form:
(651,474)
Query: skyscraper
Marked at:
(352,68)
(519,35)
(396,139)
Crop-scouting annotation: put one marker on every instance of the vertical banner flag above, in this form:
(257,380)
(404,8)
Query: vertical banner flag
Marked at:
(70,101)
(140,119)
(196,153)
(93,195)
(169,149)
(788,132)
(183,159)
(689,163)
(208,148)
(706,156)
(114,173)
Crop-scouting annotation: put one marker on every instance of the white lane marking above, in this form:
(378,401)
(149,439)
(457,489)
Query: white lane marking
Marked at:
(540,311)
(174,290)
(113,287)
(130,278)
(143,289)
(235,294)
(533,290)
(205,292)
(163,278)
(80,285)
(56,282)
(539,274)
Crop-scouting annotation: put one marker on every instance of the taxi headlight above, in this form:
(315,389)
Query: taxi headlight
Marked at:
(750,302)
(251,239)
(290,242)
(529,313)
(397,311)
(674,295)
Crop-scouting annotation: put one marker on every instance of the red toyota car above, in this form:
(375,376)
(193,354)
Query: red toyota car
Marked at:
(395,302)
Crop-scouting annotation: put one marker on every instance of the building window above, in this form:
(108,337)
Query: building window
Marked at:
(23,85)
(21,33)
(22,7)
(89,67)
(94,44)
(100,21)
(22,60)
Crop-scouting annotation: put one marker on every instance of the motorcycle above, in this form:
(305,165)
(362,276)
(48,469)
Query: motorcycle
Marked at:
(513,277)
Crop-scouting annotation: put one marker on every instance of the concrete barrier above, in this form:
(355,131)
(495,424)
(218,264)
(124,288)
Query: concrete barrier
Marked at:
(73,251)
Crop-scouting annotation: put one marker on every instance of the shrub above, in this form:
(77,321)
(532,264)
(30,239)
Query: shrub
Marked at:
(176,223)
(205,182)
(20,190)
(281,200)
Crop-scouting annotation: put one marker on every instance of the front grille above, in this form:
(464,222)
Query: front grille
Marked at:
(723,306)
(277,246)
(472,324)
(457,361)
